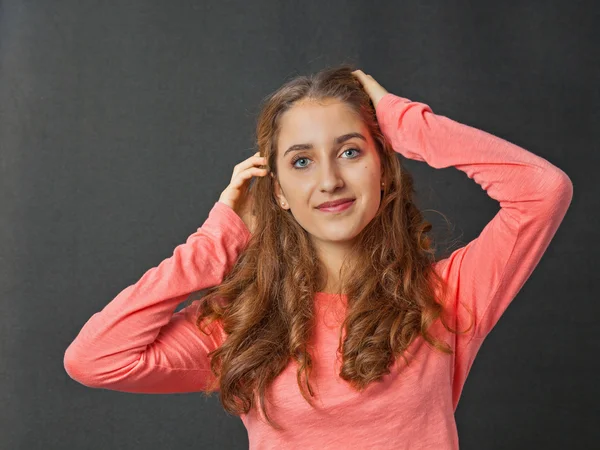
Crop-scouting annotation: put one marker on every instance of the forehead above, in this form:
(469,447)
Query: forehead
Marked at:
(318,123)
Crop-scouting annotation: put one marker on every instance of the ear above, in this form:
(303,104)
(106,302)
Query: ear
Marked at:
(279,197)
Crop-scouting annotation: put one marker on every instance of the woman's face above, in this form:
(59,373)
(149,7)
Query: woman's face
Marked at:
(335,163)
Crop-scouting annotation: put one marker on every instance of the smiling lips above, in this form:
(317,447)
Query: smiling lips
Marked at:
(337,205)
(335,202)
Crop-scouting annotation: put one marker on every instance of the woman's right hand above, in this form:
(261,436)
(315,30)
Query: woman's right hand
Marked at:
(236,195)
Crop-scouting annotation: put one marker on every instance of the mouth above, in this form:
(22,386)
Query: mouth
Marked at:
(337,207)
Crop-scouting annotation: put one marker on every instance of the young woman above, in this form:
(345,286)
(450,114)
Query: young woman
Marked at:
(327,320)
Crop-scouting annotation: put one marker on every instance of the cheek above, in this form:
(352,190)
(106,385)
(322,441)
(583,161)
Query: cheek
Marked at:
(298,190)
(369,178)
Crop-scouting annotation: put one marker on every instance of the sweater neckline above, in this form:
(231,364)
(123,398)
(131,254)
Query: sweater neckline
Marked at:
(330,294)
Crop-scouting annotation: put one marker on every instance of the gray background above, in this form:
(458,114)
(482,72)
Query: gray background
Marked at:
(120,124)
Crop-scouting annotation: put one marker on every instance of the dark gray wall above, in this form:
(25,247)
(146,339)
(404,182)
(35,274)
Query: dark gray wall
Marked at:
(120,124)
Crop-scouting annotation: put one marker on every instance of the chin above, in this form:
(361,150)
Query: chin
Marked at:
(340,235)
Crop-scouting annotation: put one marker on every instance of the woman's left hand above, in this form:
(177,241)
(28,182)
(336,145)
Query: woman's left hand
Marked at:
(372,87)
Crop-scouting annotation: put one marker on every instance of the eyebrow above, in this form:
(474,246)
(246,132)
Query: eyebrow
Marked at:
(338,140)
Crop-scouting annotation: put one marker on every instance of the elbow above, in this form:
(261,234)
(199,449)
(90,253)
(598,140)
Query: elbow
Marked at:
(559,195)
(564,189)
(72,366)
(77,368)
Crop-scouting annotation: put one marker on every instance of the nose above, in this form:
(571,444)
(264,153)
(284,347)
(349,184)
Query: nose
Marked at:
(330,177)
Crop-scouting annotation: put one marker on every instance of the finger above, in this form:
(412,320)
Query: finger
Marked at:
(360,74)
(253,161)
(366,81)
(239,179)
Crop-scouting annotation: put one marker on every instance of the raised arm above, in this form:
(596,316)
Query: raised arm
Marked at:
(137,343)
(534,195)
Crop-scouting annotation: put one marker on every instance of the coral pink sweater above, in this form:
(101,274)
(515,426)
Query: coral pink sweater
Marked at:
(138,343)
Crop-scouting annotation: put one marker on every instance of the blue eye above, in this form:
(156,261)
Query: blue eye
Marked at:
(300,157)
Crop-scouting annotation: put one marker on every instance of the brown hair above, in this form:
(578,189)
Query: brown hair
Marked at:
(265,303)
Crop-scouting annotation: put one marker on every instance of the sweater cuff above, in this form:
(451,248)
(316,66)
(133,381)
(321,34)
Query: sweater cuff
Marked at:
(241,231)
(384,109)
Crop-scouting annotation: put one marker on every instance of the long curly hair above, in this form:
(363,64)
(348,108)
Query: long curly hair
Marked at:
(266,301)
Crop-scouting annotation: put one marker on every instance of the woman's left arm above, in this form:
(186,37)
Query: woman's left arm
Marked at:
(486,274)
(534,195)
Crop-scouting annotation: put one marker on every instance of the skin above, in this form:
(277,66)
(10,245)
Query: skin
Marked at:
(325,173)
(375,90)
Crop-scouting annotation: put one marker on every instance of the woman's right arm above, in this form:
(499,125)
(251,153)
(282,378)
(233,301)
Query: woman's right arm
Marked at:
(137,343)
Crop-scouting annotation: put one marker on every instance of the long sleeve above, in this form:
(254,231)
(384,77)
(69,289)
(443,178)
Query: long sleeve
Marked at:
(534,195)
(137,343)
